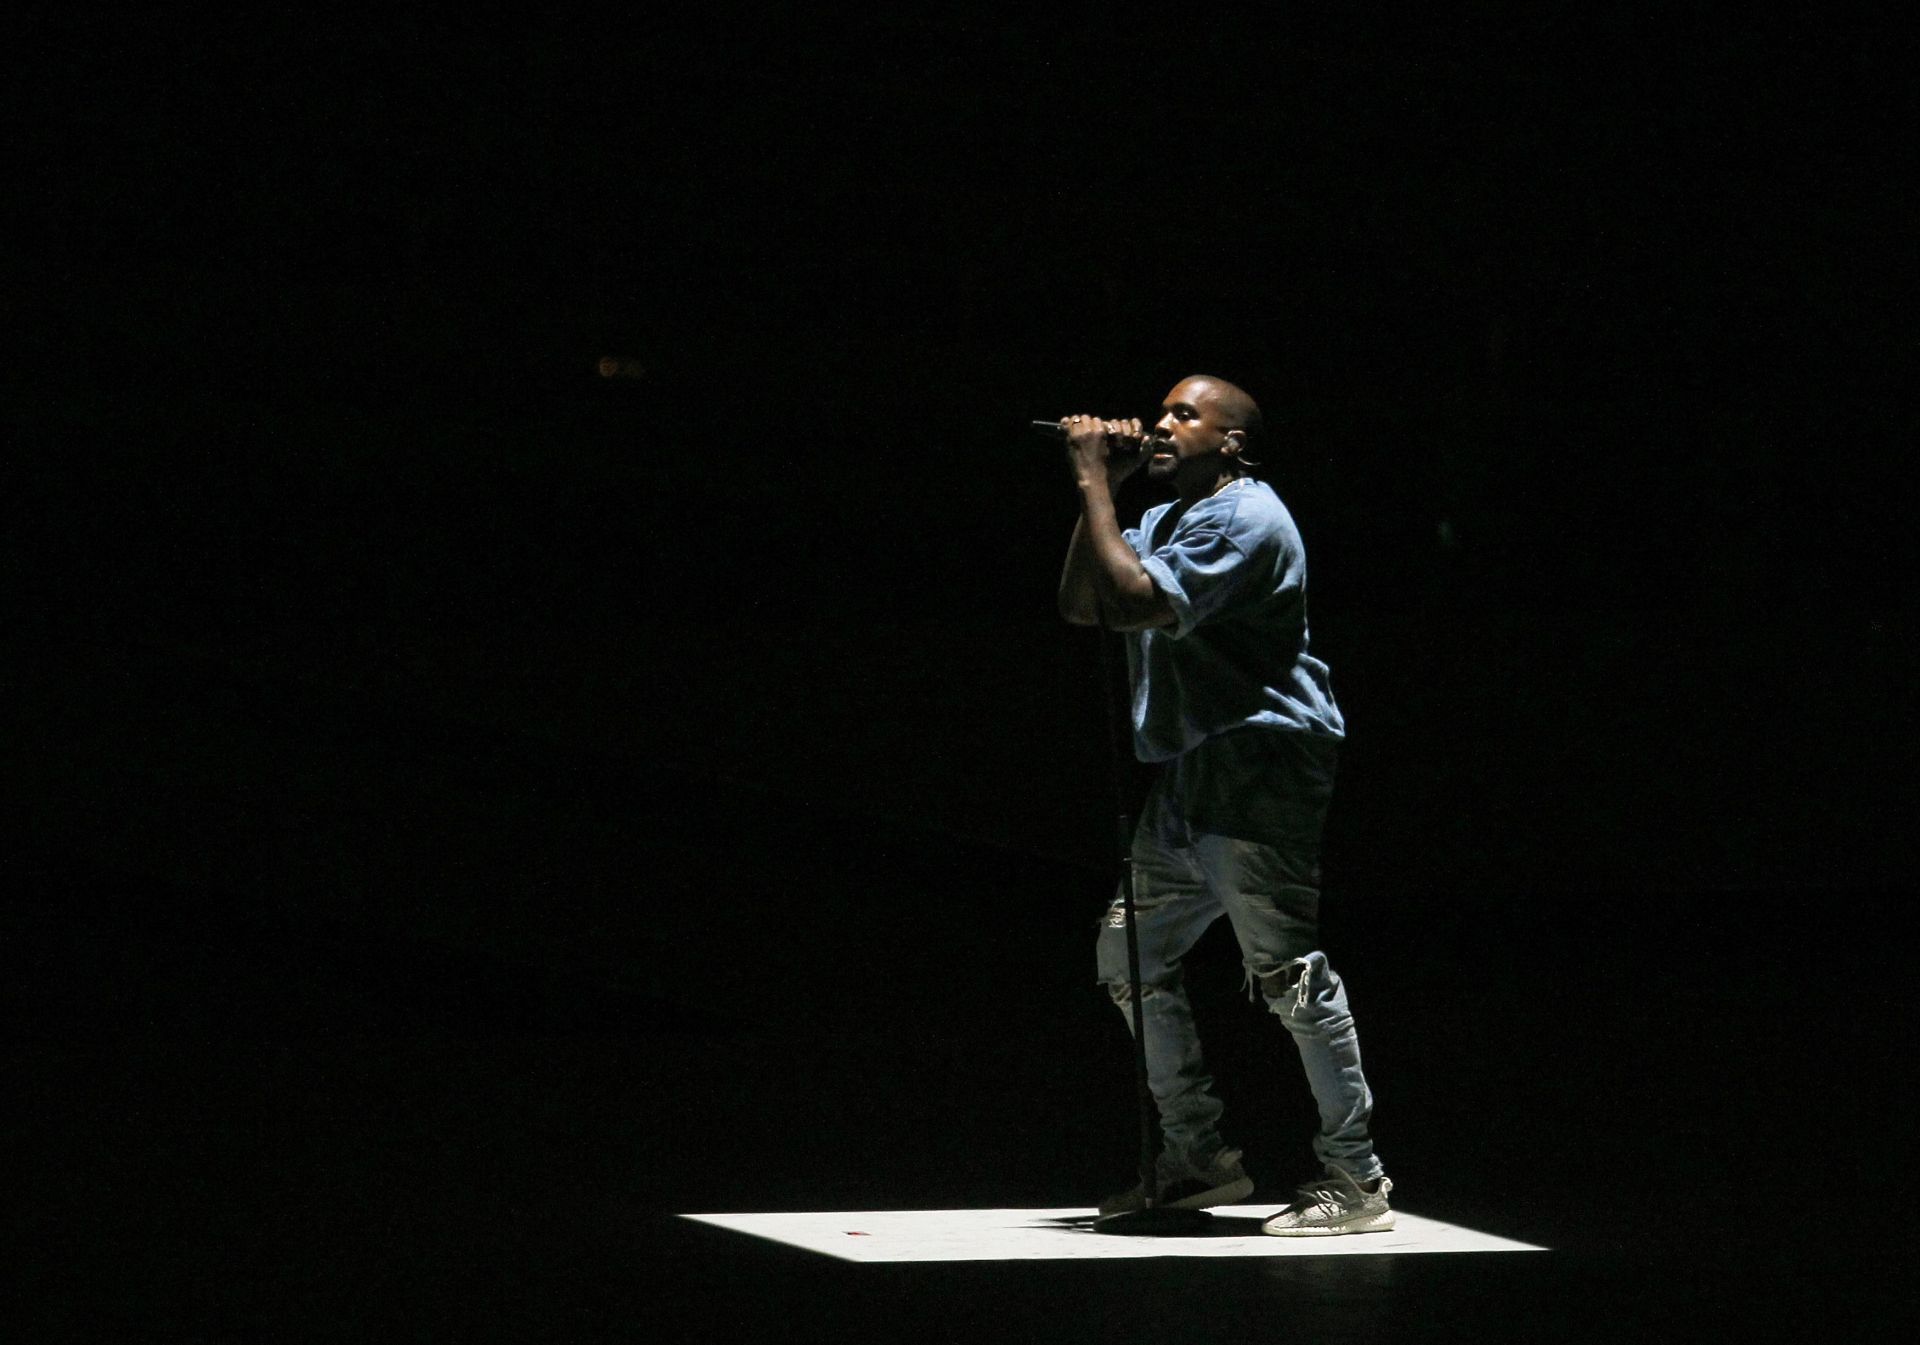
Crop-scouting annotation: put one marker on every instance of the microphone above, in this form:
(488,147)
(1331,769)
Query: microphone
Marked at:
(1124,449)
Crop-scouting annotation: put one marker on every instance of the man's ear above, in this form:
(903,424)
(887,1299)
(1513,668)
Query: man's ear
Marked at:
(1236,443)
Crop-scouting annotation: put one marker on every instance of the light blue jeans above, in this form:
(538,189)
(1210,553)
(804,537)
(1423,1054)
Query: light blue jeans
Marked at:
(1185,878)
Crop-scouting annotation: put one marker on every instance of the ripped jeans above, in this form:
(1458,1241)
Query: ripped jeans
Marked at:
(1184,879)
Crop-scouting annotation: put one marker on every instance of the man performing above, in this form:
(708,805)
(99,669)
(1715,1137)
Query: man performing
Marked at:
(1213,590)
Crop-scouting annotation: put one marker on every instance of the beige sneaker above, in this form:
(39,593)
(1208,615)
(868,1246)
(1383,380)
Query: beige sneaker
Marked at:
(1334,1204)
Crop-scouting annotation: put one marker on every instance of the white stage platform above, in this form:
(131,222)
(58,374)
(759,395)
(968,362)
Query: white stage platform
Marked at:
(1063,1235)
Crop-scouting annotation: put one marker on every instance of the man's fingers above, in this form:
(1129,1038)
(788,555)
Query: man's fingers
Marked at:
(1111,431)
(1085,431)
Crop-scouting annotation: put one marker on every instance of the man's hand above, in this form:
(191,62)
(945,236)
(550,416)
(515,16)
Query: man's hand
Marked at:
(1091,443)
(1103,583)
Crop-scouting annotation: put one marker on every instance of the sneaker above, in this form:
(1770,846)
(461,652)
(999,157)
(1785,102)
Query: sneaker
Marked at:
(1334,1204)
(1185,1185)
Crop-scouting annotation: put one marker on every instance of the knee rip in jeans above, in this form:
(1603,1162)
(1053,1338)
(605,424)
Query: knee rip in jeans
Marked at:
(1122,993)
(1296,975)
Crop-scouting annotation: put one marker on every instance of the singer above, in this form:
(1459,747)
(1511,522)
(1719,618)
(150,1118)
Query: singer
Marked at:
(1211,590)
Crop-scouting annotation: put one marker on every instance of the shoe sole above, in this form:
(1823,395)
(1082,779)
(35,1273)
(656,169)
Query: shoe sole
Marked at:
(1366,1223)
(1219,1195)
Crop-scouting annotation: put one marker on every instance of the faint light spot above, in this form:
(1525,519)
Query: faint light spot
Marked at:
(620,366)
(1446,532)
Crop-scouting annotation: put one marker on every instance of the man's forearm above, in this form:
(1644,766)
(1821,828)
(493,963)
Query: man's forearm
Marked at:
(1079,586)
(1125,595)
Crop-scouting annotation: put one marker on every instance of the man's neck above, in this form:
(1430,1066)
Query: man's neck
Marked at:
(1192,492)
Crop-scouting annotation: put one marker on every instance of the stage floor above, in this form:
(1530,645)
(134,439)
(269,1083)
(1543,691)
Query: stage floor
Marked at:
(1064,1235)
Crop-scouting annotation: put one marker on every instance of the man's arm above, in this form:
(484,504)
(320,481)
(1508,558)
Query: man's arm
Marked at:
(1079,587)
(1103,582)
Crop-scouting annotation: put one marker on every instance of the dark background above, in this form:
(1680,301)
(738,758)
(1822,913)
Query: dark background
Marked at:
(469,808)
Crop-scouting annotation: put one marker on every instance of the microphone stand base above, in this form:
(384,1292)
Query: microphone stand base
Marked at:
(1156,1221)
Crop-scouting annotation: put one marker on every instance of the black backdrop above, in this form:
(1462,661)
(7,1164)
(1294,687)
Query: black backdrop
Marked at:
(1581,343)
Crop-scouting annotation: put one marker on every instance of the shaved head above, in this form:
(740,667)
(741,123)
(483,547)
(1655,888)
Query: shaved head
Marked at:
(1233,409)
(1203,433)
(1228,410)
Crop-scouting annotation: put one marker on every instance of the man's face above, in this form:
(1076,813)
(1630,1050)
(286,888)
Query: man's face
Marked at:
(1189,428)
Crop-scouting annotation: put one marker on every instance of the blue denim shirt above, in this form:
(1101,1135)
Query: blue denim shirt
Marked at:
(1235,572)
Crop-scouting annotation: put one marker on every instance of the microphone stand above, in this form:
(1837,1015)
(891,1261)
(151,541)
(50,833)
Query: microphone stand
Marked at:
(1155,1219)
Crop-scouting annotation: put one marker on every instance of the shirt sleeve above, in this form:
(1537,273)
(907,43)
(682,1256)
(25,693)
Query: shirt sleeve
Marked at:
(1202,572)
